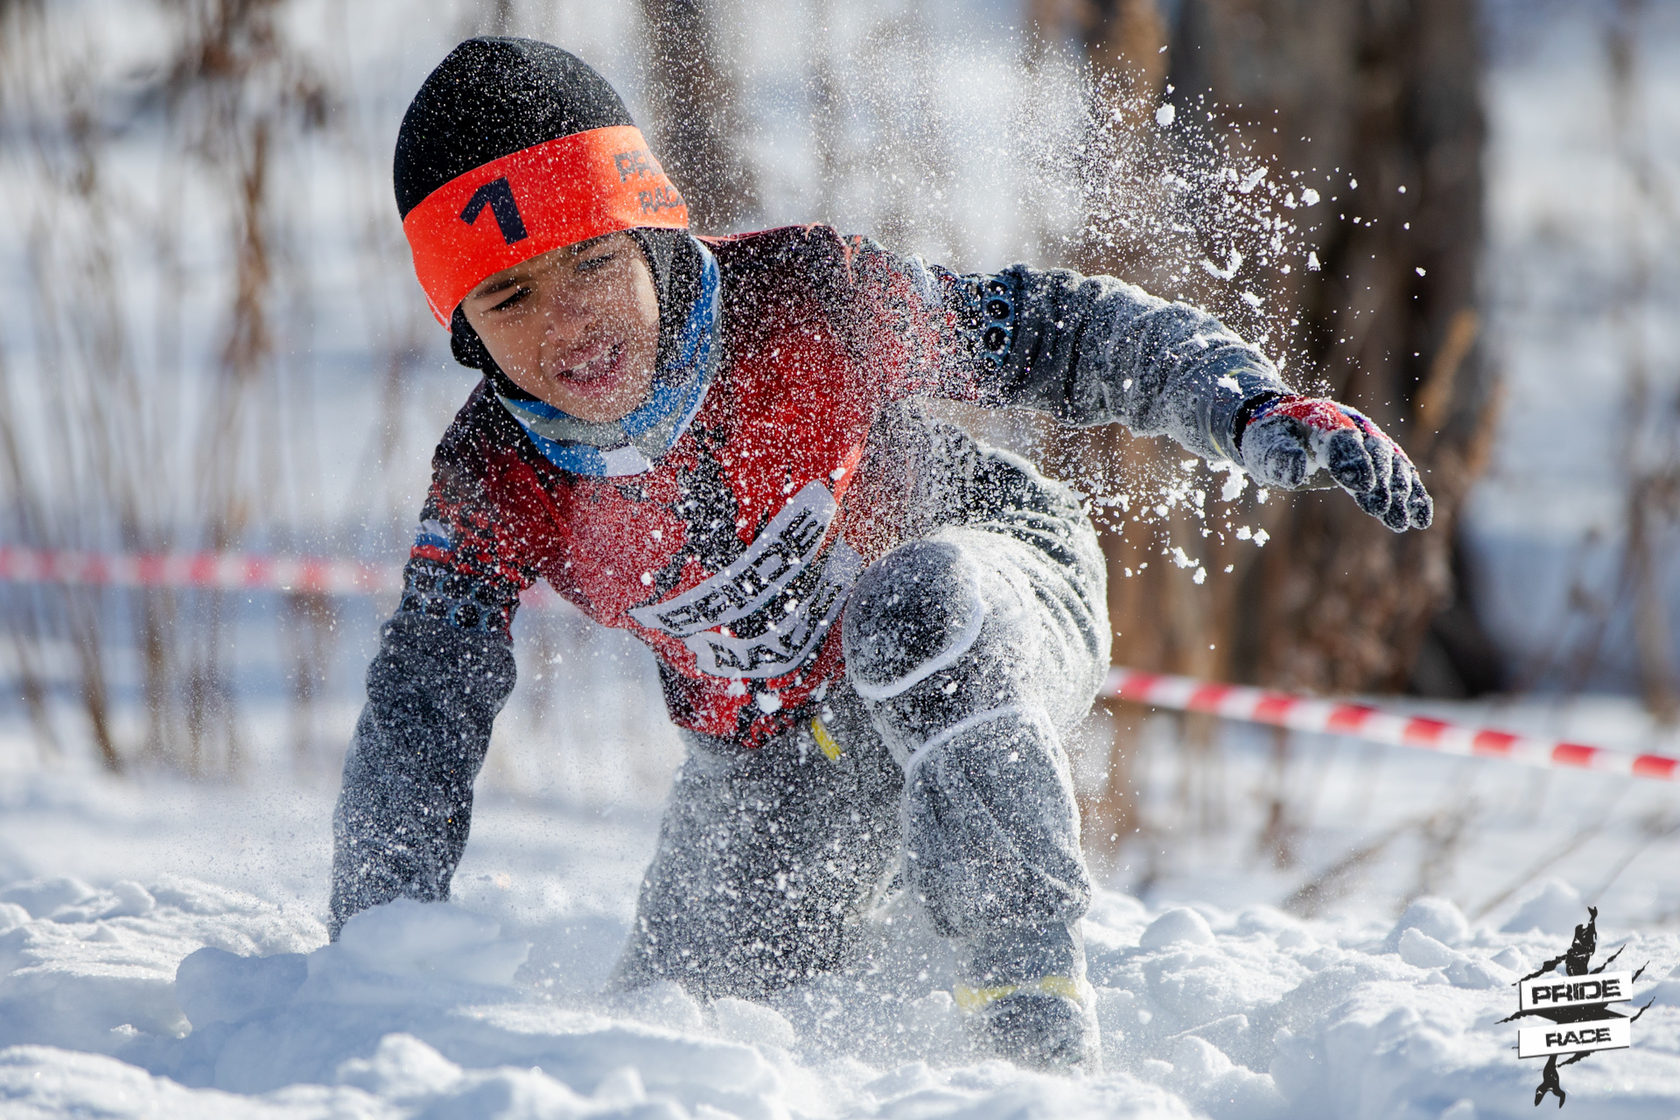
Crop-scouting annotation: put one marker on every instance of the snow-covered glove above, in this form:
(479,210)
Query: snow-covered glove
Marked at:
(1292,442)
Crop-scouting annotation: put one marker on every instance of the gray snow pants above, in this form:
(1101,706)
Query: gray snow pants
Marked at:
(969,655)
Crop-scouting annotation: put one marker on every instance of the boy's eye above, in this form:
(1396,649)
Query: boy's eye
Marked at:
(513,297)
(595,263)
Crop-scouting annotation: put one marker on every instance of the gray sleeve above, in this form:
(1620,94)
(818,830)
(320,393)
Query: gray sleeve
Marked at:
(406,804)
(1093,350)
(1086,349)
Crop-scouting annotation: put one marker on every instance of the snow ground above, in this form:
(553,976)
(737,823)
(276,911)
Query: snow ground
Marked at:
(162,953)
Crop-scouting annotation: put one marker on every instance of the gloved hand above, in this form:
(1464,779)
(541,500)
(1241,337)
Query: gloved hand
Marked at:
(1292,443)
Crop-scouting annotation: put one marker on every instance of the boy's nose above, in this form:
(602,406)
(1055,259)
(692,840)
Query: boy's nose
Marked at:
(565,316)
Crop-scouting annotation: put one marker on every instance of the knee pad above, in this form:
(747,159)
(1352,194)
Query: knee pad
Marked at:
(914,612)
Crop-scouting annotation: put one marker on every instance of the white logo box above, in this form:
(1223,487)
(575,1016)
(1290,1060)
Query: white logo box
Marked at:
(1572,1038)
(1552,990)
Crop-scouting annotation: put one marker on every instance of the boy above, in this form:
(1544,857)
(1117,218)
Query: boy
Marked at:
(872,630)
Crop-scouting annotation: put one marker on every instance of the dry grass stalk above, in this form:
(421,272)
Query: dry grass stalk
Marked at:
(110,475)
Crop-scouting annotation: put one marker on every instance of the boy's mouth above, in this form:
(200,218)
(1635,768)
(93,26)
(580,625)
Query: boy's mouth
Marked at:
(598,365)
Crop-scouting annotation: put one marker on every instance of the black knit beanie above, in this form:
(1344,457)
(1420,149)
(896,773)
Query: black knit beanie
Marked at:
(494,97)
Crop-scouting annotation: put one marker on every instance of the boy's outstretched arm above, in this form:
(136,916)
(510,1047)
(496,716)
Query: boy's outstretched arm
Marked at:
(444,669)
(406,804)
(1094,350)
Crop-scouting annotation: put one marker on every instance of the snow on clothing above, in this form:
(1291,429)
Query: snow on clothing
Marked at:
(805,476)
(765,856)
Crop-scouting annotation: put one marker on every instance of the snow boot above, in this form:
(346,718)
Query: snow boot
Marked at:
(1044,1026)
(1027,1000)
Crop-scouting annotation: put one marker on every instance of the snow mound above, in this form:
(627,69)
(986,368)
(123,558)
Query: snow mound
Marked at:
(1179,926)
(207,1003)
(214,985)
(89,968)
(1556,906)
(1435,918)
(409,940)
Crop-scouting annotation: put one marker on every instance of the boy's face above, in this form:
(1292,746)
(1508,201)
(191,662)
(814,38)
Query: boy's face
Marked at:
(577,327)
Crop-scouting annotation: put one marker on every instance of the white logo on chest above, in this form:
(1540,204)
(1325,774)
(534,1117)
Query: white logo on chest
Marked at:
(762,595)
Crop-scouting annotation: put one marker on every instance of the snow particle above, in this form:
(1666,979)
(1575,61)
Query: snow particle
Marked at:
(1233,262)
(1165,114)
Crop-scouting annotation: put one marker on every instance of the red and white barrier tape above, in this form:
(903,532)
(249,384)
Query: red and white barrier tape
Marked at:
(1305,713)
(233,572)
(217,571)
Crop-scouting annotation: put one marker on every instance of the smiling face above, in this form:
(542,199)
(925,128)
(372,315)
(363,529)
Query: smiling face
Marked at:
(576,327)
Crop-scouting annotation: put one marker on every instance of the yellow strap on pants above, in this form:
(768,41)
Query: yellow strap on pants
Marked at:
(825,741)
(973,999)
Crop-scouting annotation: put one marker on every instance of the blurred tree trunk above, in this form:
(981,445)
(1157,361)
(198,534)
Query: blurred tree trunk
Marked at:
(1384,93)
(1390,94)
(695,126)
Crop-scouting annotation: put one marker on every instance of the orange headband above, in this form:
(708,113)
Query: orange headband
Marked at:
(533,200)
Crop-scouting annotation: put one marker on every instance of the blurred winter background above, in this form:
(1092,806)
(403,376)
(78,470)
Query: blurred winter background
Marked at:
(1463,218)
